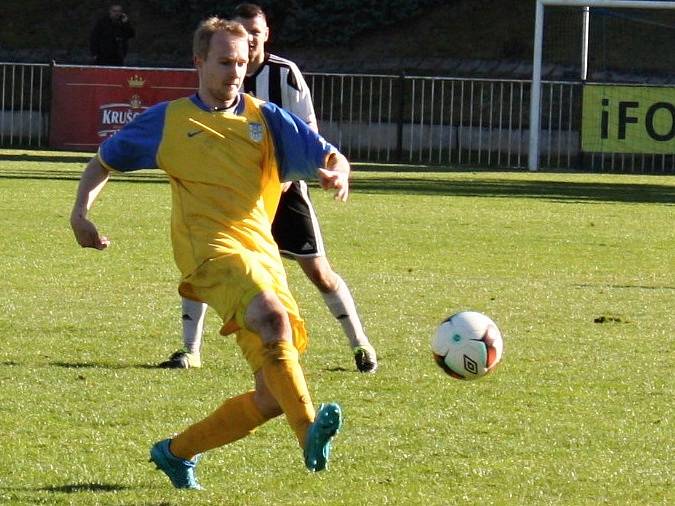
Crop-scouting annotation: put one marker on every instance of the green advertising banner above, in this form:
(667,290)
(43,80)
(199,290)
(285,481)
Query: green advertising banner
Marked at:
(628,119)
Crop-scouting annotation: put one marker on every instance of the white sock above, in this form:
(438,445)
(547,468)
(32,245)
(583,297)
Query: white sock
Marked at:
(193,324)
(342,306)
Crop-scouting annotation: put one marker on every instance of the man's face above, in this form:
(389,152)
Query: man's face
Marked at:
(116,12)
(258,33)
(223,70)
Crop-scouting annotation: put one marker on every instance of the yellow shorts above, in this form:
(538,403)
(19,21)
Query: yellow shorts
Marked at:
(229,282)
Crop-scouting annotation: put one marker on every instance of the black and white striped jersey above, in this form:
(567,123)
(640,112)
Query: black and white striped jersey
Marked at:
(279,81)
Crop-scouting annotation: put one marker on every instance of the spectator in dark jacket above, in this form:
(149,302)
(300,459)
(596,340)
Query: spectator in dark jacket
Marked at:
(109,38)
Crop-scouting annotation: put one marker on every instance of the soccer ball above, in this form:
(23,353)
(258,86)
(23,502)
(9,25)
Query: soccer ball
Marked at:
(467,345)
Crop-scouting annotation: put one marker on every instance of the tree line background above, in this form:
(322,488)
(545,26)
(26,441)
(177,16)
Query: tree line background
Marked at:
(432,37)
(324,22)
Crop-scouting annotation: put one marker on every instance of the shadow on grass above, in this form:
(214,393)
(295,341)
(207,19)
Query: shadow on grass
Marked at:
(100,365)
(74,488)
(336,369)
(55,157)
(472,186)
(628,287)
(506,188)
(74,175)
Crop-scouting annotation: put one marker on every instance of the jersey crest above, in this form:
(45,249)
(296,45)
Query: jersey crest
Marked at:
(255,131)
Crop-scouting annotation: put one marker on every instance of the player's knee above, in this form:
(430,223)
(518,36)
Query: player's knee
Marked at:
(266,403)
(276,322)
(324,279)
(267,316)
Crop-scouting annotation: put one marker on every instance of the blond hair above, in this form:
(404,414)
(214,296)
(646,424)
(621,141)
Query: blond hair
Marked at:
(202,38)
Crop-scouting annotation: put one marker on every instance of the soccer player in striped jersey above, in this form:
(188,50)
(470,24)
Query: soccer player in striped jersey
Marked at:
(295,227)
(226,155)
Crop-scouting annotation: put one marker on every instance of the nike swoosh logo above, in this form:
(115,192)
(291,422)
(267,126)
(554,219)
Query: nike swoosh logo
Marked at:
(193,133)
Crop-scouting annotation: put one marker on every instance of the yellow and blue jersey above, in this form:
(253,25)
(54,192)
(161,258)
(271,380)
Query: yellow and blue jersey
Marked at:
(225,170)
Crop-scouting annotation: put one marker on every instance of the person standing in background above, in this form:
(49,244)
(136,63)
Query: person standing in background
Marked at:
(109,37)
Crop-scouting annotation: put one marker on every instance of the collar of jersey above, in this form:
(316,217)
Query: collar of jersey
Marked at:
(238,109)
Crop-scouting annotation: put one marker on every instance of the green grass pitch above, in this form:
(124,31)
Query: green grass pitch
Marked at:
(577,270)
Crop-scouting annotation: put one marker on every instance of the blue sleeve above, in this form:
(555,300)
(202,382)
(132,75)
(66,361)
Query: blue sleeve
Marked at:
(299,149)
(135,145)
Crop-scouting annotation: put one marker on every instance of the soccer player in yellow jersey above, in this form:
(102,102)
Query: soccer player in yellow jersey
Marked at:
(223,151)
(295,226)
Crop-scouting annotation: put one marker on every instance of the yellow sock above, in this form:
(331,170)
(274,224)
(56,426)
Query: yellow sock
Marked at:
(285,379)
(236,418)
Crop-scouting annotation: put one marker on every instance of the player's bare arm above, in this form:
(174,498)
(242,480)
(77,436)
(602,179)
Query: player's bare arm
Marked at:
(93,179)
(336,175)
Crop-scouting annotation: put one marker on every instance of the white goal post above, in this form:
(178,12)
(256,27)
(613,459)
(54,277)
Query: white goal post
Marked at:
(535,93)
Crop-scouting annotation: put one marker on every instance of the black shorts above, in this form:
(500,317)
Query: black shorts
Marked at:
(295,227)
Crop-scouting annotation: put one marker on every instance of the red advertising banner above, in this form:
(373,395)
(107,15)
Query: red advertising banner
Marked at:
(90,104)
